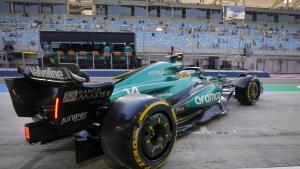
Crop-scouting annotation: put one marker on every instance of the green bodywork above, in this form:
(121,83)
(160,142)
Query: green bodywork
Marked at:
(162,80)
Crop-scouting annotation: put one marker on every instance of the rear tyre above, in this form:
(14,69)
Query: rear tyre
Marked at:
(248,93)
(139,131)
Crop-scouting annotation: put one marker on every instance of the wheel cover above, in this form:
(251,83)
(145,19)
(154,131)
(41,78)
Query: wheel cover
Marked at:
(156,136)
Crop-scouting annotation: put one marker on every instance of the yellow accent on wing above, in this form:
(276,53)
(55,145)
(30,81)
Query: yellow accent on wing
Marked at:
(29,52)
(121,75)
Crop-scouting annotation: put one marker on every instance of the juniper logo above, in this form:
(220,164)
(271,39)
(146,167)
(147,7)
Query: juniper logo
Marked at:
(208,98)
(74,118)
(70,96)
(46,73)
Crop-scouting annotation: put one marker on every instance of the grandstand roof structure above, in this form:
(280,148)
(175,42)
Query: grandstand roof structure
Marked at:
(247,3)
(267,4)
(270,4)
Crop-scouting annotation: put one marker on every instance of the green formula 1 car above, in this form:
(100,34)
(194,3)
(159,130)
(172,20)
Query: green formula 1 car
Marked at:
(134,121)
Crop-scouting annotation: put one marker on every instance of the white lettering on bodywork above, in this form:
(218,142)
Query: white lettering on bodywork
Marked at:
(47,73)
(74,118)
(208,98)
(85,94)
(159,72)
(133,90)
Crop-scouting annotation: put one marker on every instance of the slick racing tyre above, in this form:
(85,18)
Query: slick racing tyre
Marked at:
(247,90)
(139,131)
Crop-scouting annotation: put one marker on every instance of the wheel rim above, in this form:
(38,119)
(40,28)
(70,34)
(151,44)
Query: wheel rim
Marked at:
(156,136)
(254,91)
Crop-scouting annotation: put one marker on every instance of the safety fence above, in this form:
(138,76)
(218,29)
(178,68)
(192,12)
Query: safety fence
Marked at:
(85,60)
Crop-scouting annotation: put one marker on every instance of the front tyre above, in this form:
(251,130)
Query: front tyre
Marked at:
(248,90)
(139,131)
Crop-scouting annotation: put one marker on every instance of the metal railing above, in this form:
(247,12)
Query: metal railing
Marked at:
(3,60)
(85,60)
(14,59)
(92,60)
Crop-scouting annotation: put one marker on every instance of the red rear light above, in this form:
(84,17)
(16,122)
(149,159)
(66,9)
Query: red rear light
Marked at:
(27,133)
(56,111)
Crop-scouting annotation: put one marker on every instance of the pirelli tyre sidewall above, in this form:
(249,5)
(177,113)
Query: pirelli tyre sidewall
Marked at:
(248,90)
(124,127)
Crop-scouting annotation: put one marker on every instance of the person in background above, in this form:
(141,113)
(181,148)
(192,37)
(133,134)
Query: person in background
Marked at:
(172,51)
(49,59)
(9,48)
(46,46)
(128,49)
(107,53)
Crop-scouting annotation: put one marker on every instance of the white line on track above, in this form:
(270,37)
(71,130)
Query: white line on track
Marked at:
(289,92)
(203,130)
(293,167)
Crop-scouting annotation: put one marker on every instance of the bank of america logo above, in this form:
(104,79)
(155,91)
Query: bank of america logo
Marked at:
(70,96)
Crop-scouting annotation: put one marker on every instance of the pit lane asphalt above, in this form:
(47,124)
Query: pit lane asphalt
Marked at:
(264,135)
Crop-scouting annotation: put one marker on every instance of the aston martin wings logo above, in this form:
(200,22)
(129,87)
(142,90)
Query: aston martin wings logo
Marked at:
(70,96)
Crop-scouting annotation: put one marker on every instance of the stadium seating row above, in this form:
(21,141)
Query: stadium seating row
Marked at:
(154,34)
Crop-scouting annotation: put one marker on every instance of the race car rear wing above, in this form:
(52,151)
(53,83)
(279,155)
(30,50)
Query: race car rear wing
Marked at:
(55,74)
(62,108)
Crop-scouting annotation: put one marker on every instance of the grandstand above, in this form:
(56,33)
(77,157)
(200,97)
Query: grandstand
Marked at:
(267,39)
